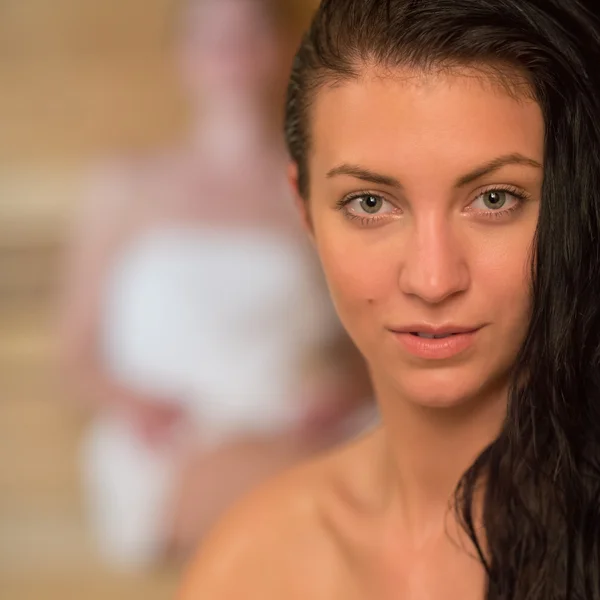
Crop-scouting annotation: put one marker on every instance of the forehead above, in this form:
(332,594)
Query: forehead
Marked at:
(407,117)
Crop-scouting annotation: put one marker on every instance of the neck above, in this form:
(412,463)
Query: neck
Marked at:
(427,450)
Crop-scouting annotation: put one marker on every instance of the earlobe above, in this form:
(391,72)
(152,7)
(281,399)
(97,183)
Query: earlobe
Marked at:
(300,202)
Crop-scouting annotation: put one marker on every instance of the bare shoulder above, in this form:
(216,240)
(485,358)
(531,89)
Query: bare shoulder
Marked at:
(271,545)
(277,542)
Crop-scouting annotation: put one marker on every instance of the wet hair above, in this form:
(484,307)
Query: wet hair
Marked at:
(541,475)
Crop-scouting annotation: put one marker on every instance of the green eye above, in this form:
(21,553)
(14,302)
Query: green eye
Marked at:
(494,199)
(371,204)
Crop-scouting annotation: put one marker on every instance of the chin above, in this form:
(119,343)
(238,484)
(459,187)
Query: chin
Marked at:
(443,387)
(437,399)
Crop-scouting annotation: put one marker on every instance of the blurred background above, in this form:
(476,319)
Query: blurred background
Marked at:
(80,81)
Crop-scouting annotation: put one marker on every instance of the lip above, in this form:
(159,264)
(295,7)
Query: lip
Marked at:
(460,339)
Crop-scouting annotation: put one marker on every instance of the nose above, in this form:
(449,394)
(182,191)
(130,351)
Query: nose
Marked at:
(435,265)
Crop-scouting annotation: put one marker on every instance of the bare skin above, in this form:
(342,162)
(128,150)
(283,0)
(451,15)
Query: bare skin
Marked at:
(424,200)
(324,532)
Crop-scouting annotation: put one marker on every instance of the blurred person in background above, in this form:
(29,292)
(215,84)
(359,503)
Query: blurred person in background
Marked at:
(195,321)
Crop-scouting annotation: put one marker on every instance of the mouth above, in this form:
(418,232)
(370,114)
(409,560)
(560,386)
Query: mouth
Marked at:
(432,336)
(436,342)
(432,332)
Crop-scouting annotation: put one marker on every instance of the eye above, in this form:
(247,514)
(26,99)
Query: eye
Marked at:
(371,204)
(368,208)
(495,199)
(367,204)
(498,201)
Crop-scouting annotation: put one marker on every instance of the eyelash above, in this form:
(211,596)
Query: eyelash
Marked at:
(362,219)
(520,195)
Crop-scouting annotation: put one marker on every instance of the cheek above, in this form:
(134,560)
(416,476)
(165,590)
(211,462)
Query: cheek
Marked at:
(502,274)
(354,275)
(359,276)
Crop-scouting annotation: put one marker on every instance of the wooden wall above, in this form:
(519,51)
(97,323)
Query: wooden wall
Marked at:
(83,77)
(79,79)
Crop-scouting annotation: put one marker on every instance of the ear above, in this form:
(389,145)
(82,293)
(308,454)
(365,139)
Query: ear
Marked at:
(301,203)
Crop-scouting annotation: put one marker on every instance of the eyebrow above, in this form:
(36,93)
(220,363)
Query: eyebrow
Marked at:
(495,165)
(477,173)
(365,175)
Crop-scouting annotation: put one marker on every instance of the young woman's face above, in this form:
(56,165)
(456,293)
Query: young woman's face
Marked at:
(424,200)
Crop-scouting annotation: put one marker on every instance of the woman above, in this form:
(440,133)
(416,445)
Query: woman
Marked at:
(182,265)
(446,155)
